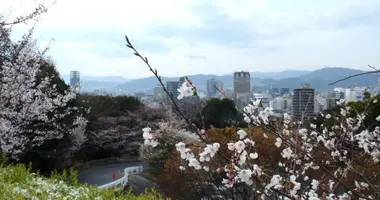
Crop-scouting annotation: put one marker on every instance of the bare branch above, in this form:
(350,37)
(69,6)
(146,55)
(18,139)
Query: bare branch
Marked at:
(360,74)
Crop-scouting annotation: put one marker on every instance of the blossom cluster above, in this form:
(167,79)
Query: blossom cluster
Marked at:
(343,142)
(31,106)
(186,89)
(34,187)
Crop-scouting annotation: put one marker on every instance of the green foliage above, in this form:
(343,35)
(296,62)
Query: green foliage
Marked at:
(17,182)
(69,176)
(157,159)
(101,105)
(3,158)
(220,113)
(370,106)
(48,69)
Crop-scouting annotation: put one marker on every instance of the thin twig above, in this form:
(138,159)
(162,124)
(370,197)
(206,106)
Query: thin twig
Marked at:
(348,77)
(154,71)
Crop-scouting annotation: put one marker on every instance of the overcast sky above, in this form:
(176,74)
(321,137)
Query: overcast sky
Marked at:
(182,37)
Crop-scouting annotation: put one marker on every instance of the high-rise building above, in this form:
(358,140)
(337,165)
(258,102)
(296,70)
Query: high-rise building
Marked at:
(219,85)
(74,78)
(158,92)
(242,87)
(211,87)
(181,80)
(172,87)
(303,104)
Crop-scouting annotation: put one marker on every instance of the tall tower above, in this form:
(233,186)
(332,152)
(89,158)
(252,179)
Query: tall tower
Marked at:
(172,87)
(242,87)
(74,78)
(211,90)
(303,104)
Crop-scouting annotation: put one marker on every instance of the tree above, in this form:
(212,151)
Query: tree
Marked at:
(220,113)
(35,104)
(316,162)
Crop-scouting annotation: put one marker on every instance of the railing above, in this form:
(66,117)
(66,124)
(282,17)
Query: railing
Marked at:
(124,179)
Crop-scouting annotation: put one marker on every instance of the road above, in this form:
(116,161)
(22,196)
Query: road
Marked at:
(103,175)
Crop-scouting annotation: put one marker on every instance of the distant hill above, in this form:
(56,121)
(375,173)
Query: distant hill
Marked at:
(200,80)
(279,75)
(319,79)
(91,83)
(116,79)
(330,73)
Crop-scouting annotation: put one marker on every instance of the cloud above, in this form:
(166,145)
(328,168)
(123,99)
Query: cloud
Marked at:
(209,36)
(360,15)
(196,57)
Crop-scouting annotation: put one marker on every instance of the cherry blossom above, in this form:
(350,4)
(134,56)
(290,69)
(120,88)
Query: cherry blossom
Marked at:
(329,148)
(185,90)
(29,102)
(241,134)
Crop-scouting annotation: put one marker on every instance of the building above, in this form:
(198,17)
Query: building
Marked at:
(281,105)
(274,92)
(74,78)
(303,104)
(158,92)
(242,87)
(211,87)
(354,94)
(332,98)
(263,99)
(376,89)
(284,91)
(219,85)
(139,95)
(181,80)
(172,87)
(228,93)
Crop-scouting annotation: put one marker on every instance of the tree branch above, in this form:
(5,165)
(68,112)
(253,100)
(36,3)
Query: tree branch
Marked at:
(355,75)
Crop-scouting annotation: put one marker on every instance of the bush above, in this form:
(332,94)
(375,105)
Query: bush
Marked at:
(17,182)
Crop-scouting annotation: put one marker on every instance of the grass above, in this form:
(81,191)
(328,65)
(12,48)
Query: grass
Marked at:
(18,182)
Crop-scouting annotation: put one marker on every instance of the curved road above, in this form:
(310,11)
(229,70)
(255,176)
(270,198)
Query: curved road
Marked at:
(103,175)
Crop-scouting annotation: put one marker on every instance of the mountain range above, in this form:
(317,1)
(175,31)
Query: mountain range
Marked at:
(319,79)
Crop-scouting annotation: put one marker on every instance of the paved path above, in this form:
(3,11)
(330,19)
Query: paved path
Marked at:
(103,175)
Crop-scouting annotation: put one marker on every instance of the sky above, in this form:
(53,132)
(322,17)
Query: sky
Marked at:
(183,37)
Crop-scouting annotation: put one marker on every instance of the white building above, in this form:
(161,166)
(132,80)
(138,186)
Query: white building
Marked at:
(281,104)
(354,94)
(264,98)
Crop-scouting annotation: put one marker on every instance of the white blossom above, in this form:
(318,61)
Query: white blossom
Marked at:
(28,102)
(253,155)
(241,134)
(239,146)
(185,90)
(278,142)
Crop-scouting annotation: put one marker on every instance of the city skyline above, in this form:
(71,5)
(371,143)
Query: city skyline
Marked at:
(191,37)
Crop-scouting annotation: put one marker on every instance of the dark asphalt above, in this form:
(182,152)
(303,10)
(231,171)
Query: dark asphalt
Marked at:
(103,175)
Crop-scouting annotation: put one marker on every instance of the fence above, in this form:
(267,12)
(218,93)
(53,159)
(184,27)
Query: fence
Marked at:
(124,179)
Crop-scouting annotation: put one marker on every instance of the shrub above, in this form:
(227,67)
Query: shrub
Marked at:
(17,182)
